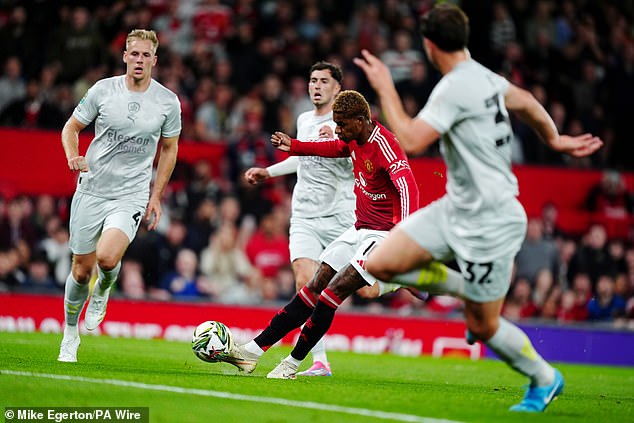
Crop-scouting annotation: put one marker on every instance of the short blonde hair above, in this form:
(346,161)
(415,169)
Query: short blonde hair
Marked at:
(143,34)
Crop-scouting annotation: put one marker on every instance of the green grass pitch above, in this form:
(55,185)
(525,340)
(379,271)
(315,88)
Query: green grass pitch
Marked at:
(177,387)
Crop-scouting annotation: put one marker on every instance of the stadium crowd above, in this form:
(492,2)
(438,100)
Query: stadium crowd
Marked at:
(240,69)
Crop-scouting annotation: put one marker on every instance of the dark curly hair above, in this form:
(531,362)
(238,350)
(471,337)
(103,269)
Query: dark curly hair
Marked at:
(350,103)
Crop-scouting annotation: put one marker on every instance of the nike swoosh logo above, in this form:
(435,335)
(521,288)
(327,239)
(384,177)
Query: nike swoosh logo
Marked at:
(549,398)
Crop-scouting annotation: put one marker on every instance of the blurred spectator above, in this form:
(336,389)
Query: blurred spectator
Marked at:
(19,39)
(132,284)
(610,197)
(38,277)
(268,247)
(536,253)
(275,116)
(226,266)
(17,226)
(544,283)
(549,215)
(56,246)
(519,304)
(211,21)
(11,275)
(552,303)
(76,46)
(201,185)
(502,30)
(202,225)
(213,116)
(606,305)
(401,57)
(418,85)
(183,281)
(45,209)
(592,256)
(167,247)
(573,308)
(12,86)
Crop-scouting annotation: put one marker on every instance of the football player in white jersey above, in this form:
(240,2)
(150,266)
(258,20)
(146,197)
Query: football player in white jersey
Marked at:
(133,115)
(479,222)
(323,200)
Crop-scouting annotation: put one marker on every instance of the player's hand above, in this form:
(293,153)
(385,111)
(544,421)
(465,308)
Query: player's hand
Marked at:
(78,163)
(153,210)
(255,175)
(580,145)
(281,141)
(375,70)
(326,132)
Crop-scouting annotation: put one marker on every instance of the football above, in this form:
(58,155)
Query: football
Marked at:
(211,341)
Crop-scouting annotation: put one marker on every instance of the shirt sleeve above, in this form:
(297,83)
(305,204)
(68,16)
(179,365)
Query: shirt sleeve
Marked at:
(285,167)
(88,107)
(172,125)
(323,148)
(441,109)
(403,179)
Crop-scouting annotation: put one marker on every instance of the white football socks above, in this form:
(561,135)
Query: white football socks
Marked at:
(512,345)
(253,348)
(75,295)
(435,278)
(106,278)
(319,351)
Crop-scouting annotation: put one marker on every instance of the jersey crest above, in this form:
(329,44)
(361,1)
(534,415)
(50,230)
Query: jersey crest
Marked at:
(369,166)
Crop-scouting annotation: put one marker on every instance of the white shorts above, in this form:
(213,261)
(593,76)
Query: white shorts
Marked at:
(309,237)
(90,216)
(353,247)
(496,242)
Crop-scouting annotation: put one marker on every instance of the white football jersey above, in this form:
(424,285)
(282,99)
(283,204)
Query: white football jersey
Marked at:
(467,108)
(325,186)
(128,126)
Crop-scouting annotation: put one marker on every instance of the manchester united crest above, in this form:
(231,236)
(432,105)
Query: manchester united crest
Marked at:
(369,166)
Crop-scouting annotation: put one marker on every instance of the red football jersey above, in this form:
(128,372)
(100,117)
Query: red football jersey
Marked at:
(384,185)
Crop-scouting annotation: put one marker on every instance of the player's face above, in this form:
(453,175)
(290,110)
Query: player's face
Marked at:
(139,59)
(348,129)
(322,88)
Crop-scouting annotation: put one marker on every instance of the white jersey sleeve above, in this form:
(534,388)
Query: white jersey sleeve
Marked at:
(325,186)
(128,126)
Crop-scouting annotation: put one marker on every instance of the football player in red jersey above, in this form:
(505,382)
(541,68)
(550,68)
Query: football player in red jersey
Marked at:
(385,191)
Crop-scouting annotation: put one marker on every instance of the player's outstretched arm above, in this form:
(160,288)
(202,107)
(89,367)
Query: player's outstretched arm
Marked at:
(414,135)
(528,109)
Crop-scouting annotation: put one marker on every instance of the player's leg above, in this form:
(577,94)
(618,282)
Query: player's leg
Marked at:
(292,316)
(122,219)
(343,284)
(85,226)
(75,295)
(512,345)
(486,290)
(402,261)
(110,250)
(308,239)
(304,269)
(347,253)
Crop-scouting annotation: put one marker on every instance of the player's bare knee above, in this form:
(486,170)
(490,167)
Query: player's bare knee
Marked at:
(107,262)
